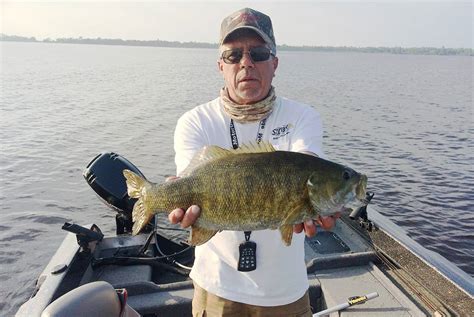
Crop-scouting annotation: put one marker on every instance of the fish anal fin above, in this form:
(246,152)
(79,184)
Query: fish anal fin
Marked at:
(286,234)
(200,235)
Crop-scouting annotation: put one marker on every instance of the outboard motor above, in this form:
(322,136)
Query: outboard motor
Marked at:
(105,175)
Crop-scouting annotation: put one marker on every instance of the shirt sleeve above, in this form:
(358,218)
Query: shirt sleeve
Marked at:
(189,137)
(308,134)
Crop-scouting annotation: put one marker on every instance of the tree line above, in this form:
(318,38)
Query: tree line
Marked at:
(284,47)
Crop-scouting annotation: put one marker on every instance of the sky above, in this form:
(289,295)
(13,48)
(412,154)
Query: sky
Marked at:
(404,23)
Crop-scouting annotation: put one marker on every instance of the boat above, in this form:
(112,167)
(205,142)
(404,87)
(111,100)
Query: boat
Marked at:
(366,262)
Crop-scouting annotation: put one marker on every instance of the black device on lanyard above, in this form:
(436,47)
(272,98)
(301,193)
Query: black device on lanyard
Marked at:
(247,249)
(247,254)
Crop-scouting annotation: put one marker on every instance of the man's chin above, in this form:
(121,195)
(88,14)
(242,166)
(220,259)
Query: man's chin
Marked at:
(248,96)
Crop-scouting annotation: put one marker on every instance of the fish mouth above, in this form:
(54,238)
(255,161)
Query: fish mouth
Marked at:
(355,198)
(359,193)
(353,205)
(346,210)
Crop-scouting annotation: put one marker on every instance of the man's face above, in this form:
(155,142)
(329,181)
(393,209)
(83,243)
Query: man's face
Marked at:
(246,81)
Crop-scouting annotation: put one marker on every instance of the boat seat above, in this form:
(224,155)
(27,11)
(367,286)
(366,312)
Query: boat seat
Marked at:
(94,299)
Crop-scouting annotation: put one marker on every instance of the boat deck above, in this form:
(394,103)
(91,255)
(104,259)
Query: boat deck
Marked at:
(340,264)
(343,264)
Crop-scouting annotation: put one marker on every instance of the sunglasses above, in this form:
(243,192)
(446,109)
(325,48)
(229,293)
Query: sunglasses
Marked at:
(257,54)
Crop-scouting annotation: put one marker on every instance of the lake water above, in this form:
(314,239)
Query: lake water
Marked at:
(404,120)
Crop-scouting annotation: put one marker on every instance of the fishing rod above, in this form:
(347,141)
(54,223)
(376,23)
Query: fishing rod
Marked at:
(351,301)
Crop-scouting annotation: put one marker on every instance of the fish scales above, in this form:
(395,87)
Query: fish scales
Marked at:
(241,192)
(249,191)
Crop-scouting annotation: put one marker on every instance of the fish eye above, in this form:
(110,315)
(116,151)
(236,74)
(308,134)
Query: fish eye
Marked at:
(346,175)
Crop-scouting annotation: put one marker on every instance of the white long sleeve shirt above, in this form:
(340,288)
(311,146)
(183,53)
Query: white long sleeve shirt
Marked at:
(280,277)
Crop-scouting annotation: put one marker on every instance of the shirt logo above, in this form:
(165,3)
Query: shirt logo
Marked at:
(281,131)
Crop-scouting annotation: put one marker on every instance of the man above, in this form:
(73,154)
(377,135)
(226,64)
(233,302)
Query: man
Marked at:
(248,111)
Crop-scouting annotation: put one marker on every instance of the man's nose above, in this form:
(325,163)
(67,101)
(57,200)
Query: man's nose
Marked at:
(246,60)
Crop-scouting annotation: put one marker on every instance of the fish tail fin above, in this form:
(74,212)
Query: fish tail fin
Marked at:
(135,184)
(136,188)
(140,216)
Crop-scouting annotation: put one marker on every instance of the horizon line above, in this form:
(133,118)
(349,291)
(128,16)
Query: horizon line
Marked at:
(284,45)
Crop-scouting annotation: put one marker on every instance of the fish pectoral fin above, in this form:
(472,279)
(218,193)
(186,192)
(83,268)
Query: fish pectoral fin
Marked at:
(292,218)
(286,234)
(200,235)
(295,215)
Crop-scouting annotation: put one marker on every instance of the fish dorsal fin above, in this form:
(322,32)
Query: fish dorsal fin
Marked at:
(212,152)
(206,154)
(262,147)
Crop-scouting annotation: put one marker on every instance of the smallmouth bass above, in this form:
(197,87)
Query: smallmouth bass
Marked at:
(250,188)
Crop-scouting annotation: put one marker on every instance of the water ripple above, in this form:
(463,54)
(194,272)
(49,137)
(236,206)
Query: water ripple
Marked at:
(403,123)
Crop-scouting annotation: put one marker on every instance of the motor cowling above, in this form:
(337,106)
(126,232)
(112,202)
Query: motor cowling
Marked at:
(104,174)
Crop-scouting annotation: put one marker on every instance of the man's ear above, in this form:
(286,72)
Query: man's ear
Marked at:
(275,63)
(219,65)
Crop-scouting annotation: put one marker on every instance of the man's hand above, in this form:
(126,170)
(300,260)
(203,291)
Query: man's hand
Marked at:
(178,215)
(185,218)
(309,226)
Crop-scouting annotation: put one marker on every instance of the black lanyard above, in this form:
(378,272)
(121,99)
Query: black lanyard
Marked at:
(233,134)
(235,145)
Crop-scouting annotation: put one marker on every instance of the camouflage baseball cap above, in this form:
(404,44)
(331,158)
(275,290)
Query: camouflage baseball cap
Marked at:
(249,19)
